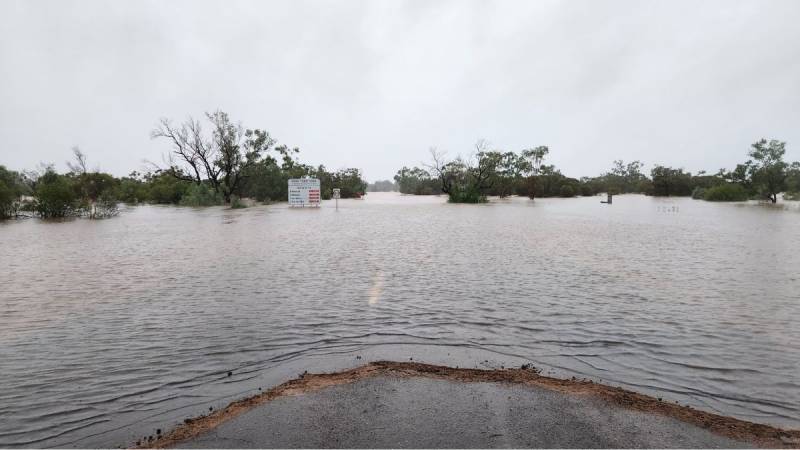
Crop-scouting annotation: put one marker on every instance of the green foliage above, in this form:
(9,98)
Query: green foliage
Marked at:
(698,193)
(382,186)
(508,171)
(11,188)
(90,186)
(201,195)
(266,181)
(132,189)
(465,182)
(793,178)
(237,203)
(728,192)
(417,181)
(767,169)
(163,187)
(566,191)
(55,195)
(465,194)
(348,180)
(624,178)
(671,182)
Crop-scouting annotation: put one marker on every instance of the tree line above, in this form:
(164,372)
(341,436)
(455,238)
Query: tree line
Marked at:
(499,173)
(217,166)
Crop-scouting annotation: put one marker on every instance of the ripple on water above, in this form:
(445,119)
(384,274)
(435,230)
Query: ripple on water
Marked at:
(110,329)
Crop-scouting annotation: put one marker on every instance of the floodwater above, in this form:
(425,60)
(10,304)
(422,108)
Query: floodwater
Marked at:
(112,329)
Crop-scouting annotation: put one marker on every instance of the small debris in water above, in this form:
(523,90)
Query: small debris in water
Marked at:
(410,359)
(158,431)
(210,408)
(358,356)
(230,373)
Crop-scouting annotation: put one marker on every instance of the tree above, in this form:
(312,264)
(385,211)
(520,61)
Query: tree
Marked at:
(668,181)
(509,168)
(793,180)
(767,169)
(79,166)
(11,188)
(625,178)
(382,186)
(222,159)
(349,181)
(416,181)
(55,195)
(533,158)
(465,181)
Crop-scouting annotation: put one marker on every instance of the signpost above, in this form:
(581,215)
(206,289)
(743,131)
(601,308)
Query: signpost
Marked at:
(337,194)
(304,192)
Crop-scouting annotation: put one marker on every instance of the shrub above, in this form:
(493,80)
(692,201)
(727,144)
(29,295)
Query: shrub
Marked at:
(55,196)
(566,191)
(201,195)
(7,201)
(11,187)
(699,193)
(729,192)
(791,196)
(237,203)
(469,195)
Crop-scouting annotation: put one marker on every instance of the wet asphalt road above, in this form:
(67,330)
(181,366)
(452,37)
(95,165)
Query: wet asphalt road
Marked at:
(419,412)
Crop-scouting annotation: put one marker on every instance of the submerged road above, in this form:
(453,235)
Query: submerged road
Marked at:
(386,411)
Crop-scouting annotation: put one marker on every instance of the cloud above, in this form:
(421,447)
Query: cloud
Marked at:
(374,84)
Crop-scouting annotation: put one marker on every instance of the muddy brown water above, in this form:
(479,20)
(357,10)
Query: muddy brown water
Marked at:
(112,329)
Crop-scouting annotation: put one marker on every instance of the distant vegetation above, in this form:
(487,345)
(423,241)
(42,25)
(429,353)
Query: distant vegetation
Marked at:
(217,167)
(230,163)
(497,173)
(382,186)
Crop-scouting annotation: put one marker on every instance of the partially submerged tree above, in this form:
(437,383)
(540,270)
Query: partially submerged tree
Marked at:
(221,159)
(767,169)
(465,180)
(668,181)
(12,186)
(55,195)
(534,158)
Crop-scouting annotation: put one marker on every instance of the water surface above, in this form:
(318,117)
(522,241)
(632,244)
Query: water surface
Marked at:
(110,329)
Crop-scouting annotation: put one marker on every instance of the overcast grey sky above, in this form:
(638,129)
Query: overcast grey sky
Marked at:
(374,84)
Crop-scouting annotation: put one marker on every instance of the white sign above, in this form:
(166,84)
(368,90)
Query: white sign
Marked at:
(337,193)
(304,192)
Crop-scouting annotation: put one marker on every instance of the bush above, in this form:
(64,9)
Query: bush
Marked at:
(11,187)
(729,192)
(699,193)
(566,191)
(466,196)
(55,196)
(201,195)
(791,196)
(237,203)
(7,201)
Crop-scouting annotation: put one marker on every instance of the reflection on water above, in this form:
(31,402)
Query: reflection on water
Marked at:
(377,288)
(111,329)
